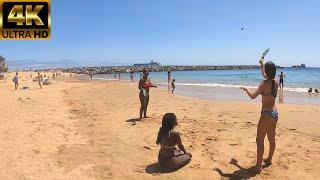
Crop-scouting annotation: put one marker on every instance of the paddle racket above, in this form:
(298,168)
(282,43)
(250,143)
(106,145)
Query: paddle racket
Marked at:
(265,53)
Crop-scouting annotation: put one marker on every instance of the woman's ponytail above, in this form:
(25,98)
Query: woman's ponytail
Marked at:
(160,136)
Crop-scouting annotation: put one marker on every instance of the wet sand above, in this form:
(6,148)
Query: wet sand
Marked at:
(83,130)
(235,94)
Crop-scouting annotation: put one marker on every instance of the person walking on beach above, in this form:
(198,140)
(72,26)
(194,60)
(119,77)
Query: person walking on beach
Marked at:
(144,86)
(169,157)
(173,86)
(281,78)
(169,80)
(40,79)
(16,81)
(119,76)
(269,114)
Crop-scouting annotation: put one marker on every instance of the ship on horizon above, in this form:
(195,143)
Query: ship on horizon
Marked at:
(299,66)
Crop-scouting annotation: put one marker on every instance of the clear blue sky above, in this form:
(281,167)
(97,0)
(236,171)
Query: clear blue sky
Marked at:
(177,32)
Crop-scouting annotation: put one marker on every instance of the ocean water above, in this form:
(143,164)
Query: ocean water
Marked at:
(225,84)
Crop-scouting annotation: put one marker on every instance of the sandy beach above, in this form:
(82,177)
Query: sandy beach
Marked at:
(75,129)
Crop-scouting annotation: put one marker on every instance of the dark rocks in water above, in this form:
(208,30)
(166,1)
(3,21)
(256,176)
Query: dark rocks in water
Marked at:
(158,68)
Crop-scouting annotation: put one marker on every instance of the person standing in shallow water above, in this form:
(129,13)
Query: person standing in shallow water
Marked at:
(269,114)
(144,86)
(169,81)
(170,158)
(173,86)
(281,79)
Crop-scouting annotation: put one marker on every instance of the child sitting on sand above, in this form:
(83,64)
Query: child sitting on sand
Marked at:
(171,159)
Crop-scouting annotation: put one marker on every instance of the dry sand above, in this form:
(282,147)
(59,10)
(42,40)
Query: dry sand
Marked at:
(82,130)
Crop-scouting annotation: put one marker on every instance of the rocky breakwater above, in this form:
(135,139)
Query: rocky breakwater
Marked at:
(126,69)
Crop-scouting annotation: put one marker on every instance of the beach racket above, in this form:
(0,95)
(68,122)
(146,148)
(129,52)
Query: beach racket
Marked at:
(265,53)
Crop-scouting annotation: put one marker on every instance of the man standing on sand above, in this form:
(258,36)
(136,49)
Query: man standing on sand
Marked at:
(169,81)
(16,81)
(281,77)
(40,79)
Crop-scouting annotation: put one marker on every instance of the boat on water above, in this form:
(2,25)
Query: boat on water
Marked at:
(299,66)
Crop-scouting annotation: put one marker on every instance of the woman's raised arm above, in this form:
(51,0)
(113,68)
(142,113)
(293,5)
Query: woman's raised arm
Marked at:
(262,69)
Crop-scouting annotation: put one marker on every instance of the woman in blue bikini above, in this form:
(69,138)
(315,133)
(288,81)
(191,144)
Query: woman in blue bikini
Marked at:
(269,114)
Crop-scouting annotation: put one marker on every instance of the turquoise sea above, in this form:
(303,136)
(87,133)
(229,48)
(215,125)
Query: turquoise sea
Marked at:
(225,84)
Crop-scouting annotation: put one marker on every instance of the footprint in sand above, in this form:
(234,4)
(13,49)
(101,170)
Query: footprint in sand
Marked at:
(36,152)
(147,147)
(212,139)
(90,125)
(220,130)
(91,142)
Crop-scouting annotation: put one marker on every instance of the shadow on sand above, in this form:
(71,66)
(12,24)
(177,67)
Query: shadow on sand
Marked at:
(242,173)
(133,120)
(155,168)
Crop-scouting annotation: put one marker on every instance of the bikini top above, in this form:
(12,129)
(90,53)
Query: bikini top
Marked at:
(267,93)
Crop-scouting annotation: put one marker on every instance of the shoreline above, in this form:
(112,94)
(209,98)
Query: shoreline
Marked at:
(232,94)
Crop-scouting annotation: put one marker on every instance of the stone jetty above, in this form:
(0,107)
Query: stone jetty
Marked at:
(157,68)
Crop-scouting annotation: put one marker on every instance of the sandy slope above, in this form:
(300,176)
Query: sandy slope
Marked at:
(83,130)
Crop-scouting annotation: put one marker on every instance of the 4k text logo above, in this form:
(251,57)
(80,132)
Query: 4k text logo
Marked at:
(25,19)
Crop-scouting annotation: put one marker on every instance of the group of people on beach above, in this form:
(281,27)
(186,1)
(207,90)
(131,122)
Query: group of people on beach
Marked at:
(40,79)
(171,158)
(316,91)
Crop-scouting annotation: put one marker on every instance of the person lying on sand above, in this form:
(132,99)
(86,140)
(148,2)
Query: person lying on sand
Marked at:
(169,157)
(144,86)
(46,80)
(269,114)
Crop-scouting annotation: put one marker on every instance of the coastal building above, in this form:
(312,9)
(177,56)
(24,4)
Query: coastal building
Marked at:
(152,63)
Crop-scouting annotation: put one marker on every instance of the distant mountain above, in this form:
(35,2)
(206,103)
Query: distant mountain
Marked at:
(42,64)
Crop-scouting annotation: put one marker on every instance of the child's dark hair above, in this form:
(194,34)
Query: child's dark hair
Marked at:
(271,70)
(173,80)
(168,123)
